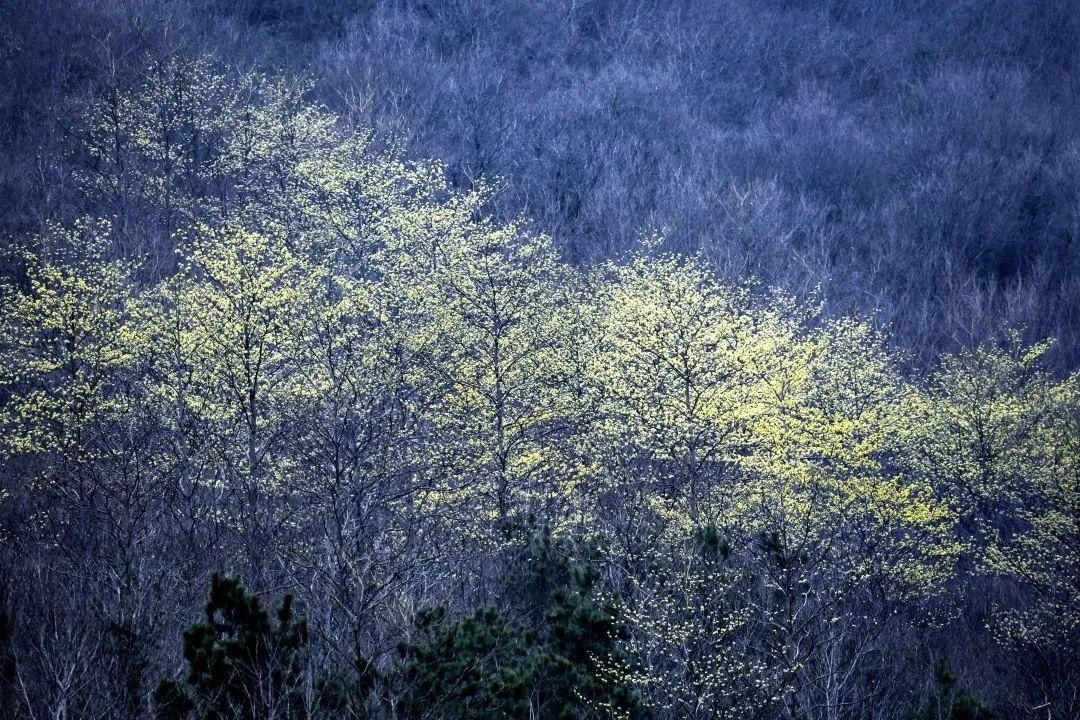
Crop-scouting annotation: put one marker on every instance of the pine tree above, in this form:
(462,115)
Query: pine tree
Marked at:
(584,673)
(559,661)
(240,667)
(950,702)
(475,667)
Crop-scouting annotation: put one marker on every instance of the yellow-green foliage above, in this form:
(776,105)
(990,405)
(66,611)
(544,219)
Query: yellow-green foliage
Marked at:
(190,147)
(734,410)
(677,364)
(242,296)
(751,419)
(486,307)
(68,340)
(827,460)
(535,387)
(1002,434)
(1045,552)
(337,312)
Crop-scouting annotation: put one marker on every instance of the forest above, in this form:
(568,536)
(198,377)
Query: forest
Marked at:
(573,359)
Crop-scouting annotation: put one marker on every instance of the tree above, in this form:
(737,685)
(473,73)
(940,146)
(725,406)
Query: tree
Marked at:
(741,415)
(240,666)
(486,307)
(560,661)
(1003,433)
(689,633)
(478,666)
(676,369)
(950,702)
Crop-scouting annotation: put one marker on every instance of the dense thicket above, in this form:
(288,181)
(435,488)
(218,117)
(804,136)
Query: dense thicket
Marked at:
(488,480)
(916,159)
